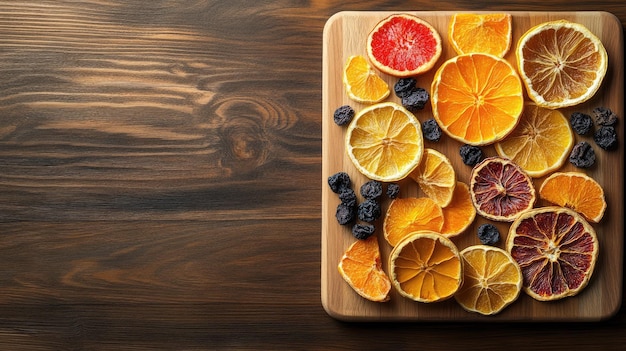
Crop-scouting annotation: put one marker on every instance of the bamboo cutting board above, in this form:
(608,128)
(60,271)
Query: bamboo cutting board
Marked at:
(345,34)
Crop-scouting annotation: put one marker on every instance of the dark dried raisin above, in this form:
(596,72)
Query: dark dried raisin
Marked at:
(604,116)
(606,137)
(471,155)
(362,231)
(431,130)
(416,99)
(372,190)
(488,234)
(581,123)
(369,211)
(338,181)
(393,190)
(404,86)
(345,214)
(348,197)
(582,155)
(343,115)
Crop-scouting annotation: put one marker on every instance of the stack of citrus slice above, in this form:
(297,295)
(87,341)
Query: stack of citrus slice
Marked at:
(577,191)
(407,215)
(435,176)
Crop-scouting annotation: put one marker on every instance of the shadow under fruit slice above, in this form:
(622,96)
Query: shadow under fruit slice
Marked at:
(426,267)
(361,268)
(556,250)
(500,189)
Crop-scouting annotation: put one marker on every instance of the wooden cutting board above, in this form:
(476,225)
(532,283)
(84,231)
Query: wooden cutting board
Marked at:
(344,35)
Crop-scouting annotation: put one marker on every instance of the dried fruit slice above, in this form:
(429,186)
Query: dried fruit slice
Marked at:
(460,213)
(384,141)
(362,83)
(484,33)
(426,267)
(361,267)
(500,189)
(477,98)
(403,45)
(556,249)
(577,191)
(435,176)
(407,215)
(561,63)
(492,280)
(540,143)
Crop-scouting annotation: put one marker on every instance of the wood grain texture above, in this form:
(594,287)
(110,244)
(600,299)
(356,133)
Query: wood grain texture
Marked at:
(160,166)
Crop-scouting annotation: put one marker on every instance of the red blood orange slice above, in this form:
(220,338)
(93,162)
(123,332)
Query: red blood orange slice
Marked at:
(556,250)
(500,189)
(403,45)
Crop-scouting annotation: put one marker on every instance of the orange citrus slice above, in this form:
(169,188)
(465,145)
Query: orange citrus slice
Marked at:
(561,63)
(492,280)
(577,191)
(556,249)
(384,141)
(477,98)
(500,189)
(541,142)
(361,268)
(403,45)
(435,176)
(426,267)
(407,215)
(362,83)
(460,213)
(482,33)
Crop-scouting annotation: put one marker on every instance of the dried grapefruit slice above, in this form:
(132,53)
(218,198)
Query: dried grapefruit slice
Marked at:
(500,189)
(485,33)
(460,213)
(403,45)
(561,63)
(407,215)
(556,249)
(435,176)
(362,83)
(492,280)
(426,267)
(361,268)
(577,191)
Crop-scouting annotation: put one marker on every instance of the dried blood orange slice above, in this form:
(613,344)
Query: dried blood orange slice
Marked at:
(403,45)
(500,189)
(556,250)
(361,268)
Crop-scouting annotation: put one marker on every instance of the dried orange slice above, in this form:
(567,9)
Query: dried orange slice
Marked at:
(435,176)
(541,142)
(556,249)
(460,213)
(500,189)
(561,63)
(492,280)
(484,33)
(407,215)
(577,191)
(362,83)
(384,141)
(426,267)
(361,268)
(477,98)
(403,45)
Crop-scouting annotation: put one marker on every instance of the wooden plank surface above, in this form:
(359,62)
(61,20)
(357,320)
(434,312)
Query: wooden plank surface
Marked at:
(345,35)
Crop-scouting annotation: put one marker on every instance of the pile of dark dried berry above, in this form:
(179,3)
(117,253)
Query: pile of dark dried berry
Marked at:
(605,136)
(413,98)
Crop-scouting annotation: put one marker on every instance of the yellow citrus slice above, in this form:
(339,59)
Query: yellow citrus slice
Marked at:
(426,267)
(541,142)
(577,191)
(362,83)
(561,63)
(435,176)
(384,141)
(477,98)
(481,33)
(407,215)
(360,266)
(460,213)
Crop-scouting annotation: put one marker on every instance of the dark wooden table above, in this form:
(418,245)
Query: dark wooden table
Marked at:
(160,181)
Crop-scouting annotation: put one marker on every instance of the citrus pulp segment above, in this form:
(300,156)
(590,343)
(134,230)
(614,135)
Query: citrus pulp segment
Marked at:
(435,176)
(492,280)
(384,142)
(556,250)
(407,215)
(541,142)
(460,212)
(500,189)
(561,63)
(477,98)
(426,267)
(480,33)
(362,83)
(577,191)
(403,45)
(361,268)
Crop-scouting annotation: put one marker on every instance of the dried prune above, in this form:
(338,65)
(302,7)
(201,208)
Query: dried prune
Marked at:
(582,155)
(393,190)
(345,214)
(404,86)
(363,231)
(581,123)
(343,115)
(416,99)
(604,116)
(369,211)
(471,155)
(606,137)
(431,130)
(338,181)
(348,197)
(372,190)
(488,234)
